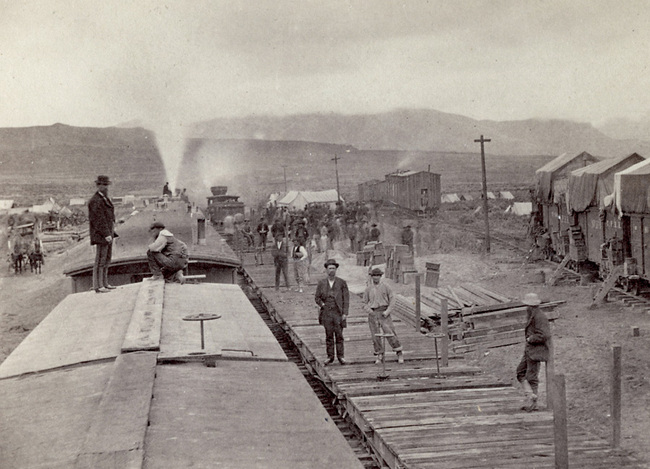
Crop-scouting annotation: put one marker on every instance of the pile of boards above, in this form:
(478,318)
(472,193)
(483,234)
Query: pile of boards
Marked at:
(477,317)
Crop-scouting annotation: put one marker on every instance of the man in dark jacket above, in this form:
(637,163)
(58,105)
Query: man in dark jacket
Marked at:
(333,298)
(538,335)
(280,254)
(101,215)
(263,232)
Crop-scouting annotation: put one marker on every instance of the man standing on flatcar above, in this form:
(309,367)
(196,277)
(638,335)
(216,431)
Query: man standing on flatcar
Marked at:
(333,298)
(101,216)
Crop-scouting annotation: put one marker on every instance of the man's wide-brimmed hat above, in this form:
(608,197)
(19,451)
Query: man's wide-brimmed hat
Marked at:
(376,271)
(331,262)
(157,224)
(103,180)
(531,299)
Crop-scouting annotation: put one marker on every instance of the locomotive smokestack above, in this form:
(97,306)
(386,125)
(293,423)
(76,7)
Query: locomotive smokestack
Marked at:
(200,230)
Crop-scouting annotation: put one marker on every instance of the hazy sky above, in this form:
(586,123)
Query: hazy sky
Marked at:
(170,63)
(103,63)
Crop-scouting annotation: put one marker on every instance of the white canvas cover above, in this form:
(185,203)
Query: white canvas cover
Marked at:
(6,204)
(449,198)
(632,189)
(590,185)
(521,208)
(506,195)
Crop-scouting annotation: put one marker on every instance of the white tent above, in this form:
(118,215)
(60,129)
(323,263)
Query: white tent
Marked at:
(6,204)
(506,195)
(449,198)
(77,202)
(299,199)
(490,195)
(520,208)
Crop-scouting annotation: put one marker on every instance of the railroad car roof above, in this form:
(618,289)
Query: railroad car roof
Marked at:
(134,237)
(113,380)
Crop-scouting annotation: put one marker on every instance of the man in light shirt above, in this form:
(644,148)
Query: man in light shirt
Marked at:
(379,301)
(167,255)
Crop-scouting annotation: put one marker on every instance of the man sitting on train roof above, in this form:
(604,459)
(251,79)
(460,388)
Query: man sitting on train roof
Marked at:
(167,255)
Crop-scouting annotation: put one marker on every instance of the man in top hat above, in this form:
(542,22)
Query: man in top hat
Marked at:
(167,255)
(538,335)
(378,302)
(101,215)
(333,298)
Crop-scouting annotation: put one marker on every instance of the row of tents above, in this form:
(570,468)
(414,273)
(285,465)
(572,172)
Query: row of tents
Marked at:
(451,198)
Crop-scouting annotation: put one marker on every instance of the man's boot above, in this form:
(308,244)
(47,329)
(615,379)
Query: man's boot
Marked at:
(530,404)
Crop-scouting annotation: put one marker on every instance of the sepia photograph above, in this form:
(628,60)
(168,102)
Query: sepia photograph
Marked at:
(345,234)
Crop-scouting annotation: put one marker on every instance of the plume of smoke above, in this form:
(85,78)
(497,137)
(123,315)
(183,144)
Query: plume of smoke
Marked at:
(170,140)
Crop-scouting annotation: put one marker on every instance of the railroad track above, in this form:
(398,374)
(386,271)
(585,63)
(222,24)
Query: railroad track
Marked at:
(346,427)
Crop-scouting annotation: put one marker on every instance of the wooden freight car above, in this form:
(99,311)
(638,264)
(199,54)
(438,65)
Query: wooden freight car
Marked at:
(415,190)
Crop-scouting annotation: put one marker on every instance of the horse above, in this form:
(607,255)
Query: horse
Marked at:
(35,261)
(18,261)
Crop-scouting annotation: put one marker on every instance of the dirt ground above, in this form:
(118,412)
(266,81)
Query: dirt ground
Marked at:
(583,337)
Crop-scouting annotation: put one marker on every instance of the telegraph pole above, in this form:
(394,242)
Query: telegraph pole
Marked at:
(284,168)
(336,166)
(482,141)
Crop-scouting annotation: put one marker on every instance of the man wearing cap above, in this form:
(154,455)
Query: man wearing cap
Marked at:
(378,302)
(538,334)
(167,255)
(333,298)
(101,215)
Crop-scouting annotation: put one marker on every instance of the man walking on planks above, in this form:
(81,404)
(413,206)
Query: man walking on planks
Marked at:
(333,298)
(378,302)
(538,333)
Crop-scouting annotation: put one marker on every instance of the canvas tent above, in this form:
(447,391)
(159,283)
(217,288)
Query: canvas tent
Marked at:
(6,204)
(298,200)
(520,208)
(466,197)
(590,185)
(506,195)
(449,198)
(490,195)
(632,188)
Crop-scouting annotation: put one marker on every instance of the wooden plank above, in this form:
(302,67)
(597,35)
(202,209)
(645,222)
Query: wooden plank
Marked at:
(144,329)
(120,421)
(607,285)
(555,276)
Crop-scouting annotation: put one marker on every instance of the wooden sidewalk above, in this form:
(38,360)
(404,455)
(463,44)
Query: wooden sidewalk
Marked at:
(459,417)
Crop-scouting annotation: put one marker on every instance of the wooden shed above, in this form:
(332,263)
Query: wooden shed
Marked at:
(415,190)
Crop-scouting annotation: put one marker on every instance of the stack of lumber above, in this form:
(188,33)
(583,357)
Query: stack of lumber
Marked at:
(372,254)
(52,241)
(400,263)
(458,300)
(497,325)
